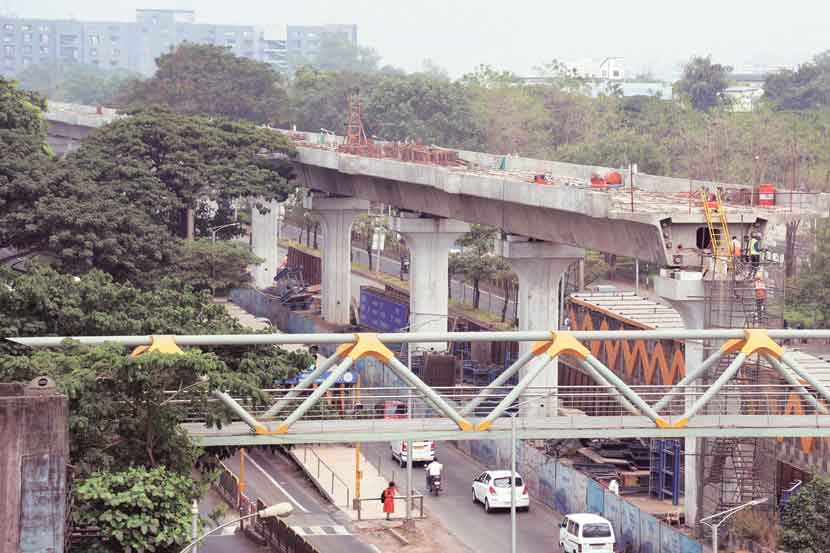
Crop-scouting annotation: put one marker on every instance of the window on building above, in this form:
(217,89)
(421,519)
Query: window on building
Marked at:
(27,62)
(43,28)
(8,51)
(44,50)
(230,33)
(69,40)
(8,27)
(93,52)
(114,63)
(116,52)
(230,42)
(94,39)
(44,39)
(26,28)
(27,50)
(69,53)
(616,74)
(115,39)
(247,34)
(27,37)
(8,38)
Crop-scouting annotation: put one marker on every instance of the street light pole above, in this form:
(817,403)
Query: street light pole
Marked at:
(513,482)
(280,510)
(214,230)
(725,515)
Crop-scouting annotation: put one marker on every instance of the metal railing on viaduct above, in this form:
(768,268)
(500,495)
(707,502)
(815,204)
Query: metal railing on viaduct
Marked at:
(795,403)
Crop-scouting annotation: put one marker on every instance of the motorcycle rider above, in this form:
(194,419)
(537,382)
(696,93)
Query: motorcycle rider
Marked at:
(433,471)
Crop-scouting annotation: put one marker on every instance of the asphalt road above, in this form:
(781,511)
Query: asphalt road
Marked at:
(537,530)
(274,478)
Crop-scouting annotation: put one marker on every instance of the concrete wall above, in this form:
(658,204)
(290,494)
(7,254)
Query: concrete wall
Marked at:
(34,434)
(568,491)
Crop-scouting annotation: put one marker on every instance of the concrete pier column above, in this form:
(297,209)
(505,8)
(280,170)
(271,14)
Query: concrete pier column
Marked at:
(687,296)
(429,242)
(337,216)
(539,266)
(264,243)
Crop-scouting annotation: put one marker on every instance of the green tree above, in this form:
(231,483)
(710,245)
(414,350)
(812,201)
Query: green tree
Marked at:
(319,98)
(119,411)
(805,526)
(477,261)
(219,266)
(619,149)
(812,295)
(704,83)
(202,79)
(423,109)
(138,510)
(74,82)
(167,163)
(25,157)
(808,87)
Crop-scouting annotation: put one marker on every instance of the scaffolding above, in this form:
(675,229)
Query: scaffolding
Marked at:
(736,471)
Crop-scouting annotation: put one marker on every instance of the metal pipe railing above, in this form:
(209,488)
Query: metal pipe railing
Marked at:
(413,337)
(334,475)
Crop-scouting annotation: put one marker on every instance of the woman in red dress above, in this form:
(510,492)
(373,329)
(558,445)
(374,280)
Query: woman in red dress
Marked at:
(389,500)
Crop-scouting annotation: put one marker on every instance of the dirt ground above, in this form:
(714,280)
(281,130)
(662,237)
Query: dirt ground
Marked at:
(429,536)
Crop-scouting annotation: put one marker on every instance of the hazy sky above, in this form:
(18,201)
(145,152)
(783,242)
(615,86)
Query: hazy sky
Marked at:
(518,34)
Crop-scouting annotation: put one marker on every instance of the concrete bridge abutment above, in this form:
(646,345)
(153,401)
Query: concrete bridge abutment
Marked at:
(265,242)
(539,266)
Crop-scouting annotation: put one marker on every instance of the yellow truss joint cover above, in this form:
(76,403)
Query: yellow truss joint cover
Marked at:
(368,344)
(757,340)
(281,430)
(482,426)
(261,430)
(662,423)
(682,423)
(465,426)
(563,342)
(343,349)
(731,346)
(160,344)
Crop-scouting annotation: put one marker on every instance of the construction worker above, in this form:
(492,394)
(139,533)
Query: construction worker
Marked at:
(760,297)
(736,247)
(755,253)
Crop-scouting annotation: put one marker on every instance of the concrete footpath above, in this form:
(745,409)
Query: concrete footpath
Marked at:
(322,461)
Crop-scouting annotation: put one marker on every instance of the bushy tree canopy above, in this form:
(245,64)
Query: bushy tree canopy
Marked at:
(202,79)
(704,83)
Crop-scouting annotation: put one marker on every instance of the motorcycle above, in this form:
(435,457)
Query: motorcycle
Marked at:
(435,485)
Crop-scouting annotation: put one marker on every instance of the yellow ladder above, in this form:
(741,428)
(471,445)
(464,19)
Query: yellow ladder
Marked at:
(720,238)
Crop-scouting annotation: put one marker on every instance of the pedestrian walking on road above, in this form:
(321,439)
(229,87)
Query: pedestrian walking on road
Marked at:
(389,500)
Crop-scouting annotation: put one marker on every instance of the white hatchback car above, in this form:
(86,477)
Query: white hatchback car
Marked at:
(492,489)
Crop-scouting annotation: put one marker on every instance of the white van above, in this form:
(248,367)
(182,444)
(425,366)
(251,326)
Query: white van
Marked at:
(584,533)
(424,452)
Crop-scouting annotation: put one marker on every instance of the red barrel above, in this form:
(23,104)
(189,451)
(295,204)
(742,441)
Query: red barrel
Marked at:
(613,178)
(766,195)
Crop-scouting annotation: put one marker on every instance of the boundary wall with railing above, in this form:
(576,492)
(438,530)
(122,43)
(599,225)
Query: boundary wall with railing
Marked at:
(278,536)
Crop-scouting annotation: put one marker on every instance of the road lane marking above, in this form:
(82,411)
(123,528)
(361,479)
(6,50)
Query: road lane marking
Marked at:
(277,484)
(335,530)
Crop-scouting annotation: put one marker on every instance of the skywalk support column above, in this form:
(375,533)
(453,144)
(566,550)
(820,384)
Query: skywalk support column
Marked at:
(264,242)
(429,242)
(686,295)
(539,266)
(337,216)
